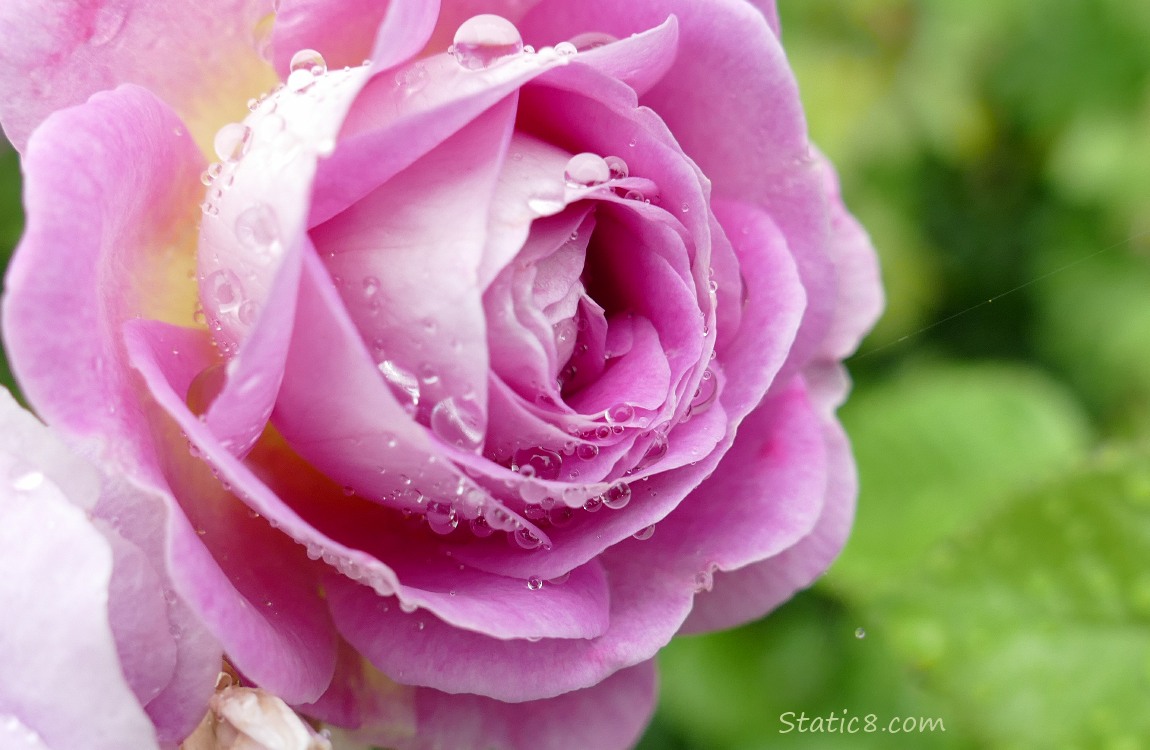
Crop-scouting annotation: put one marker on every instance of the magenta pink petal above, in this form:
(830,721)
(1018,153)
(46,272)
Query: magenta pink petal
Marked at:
(608,716)
(206,68)
(750,592)
(860,299)
(649,599)
(770,11)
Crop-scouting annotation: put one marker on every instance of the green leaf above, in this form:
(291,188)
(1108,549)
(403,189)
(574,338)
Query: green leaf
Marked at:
(938,448)
(1035,624)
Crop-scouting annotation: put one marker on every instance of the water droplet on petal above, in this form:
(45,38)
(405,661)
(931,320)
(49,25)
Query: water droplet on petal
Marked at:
(459,420)
(587,451)
(484,40)
(408,607)
(257,229)
(591,40)
(704,581)
(617,495)
(645,533)
(232,141)
(308,60)
(546,205)
(620,413)
(441,517)
(586,170)
(635,195)
(204,388)
(223,292)
(566,49)
(542,462)
(480,527)
(370,287)
(404,385)
(534,583)
(618,167)
(526,538)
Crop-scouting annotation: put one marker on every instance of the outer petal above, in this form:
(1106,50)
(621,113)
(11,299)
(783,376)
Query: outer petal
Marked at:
(748,593)
(200,57)
(125,225)
(128,223)
(58,648)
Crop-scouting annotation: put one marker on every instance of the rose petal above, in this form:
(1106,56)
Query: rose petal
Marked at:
(748,593)
(206,67)
(649,599)
(383,250)
(58,647)
(385,33)
(248,582)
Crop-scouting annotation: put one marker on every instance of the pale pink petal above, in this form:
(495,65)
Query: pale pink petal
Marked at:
(201,58)
(62,681)
(251,584)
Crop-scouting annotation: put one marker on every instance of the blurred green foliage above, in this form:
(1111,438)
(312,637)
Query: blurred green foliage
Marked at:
(998,577)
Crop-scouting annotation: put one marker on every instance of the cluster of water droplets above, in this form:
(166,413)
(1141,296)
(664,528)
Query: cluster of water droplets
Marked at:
(484,41)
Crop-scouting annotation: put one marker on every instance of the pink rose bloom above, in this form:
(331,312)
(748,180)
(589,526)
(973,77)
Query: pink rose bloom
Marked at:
(454,363)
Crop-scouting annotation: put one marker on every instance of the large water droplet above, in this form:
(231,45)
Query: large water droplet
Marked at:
(257,229)
(705,394)
(645,533)
(620,413)
(618,167)
(484,40)
(527,539)
(205,386)
(232,141)
(587,451)
(542,463)
(459,421)
(404,385)
(306,66)
(586,170)
(534,583)
(617,495)
(441,517)
(222,292)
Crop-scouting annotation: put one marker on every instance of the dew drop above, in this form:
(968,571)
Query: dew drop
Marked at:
(645,533)
(441,517)
(593,504)
(587,451)
(232,141)
(481,528)
(459,420)
(534,583)
(204,388)
(546,205)
(705,394)
(370,287)
(704,581)
(591,40)
(257,229)
(484,40)
(566,49)
(860,633)
(223,292)
(309,61)
(635,195)
(526,538)
(407,607)
(618,167)
(586,170)
(617,495)
(620,413)
(542,462)
(404,385)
